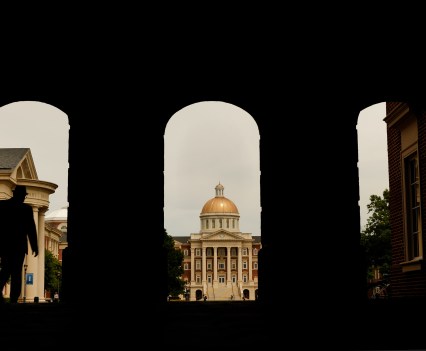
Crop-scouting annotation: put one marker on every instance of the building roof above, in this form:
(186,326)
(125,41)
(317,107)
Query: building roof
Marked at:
(185,239)
(182,239)
(11,157)
(219,204)
(58,215)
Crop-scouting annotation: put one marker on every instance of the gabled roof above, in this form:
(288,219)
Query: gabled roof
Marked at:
(17,162)
(223,234)
(185,239)
(182,239)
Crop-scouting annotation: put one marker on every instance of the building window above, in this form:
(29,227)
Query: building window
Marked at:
(221,252)
(244,251)
(207,224)
(245,278)
(221,265)
(244,264)
(198,279)
(197,252)
(213,223)
(221,279)
(209,265)
(234,278)
(227,223)
(254,252)
(254,265)
(234,264)
(412,199)
(209,251)
(209,279)
(185,252)
(220,223)
(186,266)
(234,251)
(233,223)
(198,265)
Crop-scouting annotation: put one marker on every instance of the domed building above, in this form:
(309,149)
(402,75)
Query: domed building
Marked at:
(220,262)
(56,222)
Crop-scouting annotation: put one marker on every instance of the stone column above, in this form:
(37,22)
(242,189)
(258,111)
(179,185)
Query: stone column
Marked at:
(33,264)
(228,266)
(215,266)
(250,265)
(41,254)
(240,267)
(192,266)
(203,269)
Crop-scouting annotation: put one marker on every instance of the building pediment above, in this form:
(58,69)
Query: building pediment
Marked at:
(222,235)
(17,163)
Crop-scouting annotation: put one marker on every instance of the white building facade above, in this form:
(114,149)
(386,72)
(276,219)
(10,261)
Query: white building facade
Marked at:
(17,168)
(220,262)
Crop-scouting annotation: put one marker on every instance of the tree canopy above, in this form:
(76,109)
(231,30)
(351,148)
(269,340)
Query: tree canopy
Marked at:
(175,284)
(376,236)
(52,272)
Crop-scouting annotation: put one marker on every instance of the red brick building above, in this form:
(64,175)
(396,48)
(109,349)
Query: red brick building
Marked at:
(220,262)
(406,129)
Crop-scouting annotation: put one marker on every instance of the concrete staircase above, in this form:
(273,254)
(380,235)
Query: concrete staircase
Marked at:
(223,293)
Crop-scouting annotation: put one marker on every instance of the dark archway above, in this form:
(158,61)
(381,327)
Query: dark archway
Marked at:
(302,133)
(198,295)
(246,294)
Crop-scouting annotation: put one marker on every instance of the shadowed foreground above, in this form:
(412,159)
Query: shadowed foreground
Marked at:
(211,325)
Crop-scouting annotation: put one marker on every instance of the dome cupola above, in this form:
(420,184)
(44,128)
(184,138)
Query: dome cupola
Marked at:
(219,204)
(219,213)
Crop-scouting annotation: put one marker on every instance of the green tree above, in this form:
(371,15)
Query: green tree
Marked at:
(175,284)
(376,236)
(52,273)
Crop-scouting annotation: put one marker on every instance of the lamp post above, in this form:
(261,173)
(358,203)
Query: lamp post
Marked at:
(58,274)
(25,283)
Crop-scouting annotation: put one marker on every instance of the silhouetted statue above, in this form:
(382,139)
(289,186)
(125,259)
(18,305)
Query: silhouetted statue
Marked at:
(16,226)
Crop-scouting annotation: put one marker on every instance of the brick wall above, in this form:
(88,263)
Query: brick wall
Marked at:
(391,105)
(413,283)
(421,123)
(396,219)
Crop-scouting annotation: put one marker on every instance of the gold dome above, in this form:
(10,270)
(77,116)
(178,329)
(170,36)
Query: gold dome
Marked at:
(219,205)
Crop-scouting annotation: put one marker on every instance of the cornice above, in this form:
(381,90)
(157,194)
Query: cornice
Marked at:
(397,114)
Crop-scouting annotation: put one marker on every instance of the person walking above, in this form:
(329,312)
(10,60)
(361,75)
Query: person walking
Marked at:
(16,229)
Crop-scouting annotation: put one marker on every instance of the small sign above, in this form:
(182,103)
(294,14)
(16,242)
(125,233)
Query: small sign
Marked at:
(29,279)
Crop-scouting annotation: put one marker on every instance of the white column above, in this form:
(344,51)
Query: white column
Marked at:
(31,290)
(228,266)
(215,266)
(41,254)
(240,267)
(192,266)
(203,267)
(250,264)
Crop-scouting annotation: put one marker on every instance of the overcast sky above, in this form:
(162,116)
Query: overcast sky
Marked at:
(372,156)
(44,129)
(205,143)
